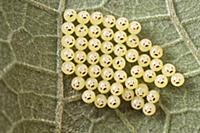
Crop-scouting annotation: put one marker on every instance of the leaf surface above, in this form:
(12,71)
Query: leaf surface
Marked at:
(35,97)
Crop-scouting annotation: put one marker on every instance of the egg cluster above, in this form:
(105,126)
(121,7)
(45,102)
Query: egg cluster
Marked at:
(96,49)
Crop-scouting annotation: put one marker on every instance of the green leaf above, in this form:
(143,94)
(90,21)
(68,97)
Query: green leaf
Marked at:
(35,97)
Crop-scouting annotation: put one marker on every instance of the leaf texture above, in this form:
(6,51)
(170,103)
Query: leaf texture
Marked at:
(35,97)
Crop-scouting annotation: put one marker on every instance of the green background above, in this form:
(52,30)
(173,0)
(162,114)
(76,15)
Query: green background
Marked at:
(36,98)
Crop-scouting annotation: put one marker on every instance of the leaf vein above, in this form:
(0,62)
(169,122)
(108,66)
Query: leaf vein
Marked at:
(42,6)
(125,121)
(181,30)
(60,90)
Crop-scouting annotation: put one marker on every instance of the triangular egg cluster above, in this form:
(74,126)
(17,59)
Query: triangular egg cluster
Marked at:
(96,50)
